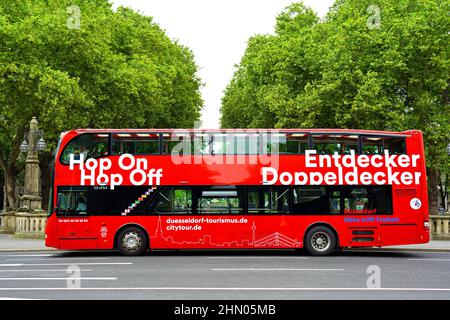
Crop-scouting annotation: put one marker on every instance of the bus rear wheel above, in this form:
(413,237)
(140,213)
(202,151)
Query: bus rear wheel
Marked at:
(320,241)
(132,241)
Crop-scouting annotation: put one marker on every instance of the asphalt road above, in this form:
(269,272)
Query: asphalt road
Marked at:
(224,275)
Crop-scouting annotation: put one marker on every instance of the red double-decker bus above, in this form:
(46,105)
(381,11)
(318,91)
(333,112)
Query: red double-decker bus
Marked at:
(318,189)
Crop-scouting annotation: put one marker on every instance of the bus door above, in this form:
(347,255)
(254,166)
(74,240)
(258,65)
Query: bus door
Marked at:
(73,225)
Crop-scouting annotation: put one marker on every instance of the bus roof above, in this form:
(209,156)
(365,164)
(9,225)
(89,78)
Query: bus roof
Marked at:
(314,131)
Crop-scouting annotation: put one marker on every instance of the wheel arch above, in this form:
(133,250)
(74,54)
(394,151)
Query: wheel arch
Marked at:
(128,225)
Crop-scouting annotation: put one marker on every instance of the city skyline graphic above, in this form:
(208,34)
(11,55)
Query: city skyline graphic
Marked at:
(273,240)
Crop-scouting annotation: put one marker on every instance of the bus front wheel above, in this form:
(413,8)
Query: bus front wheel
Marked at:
(320,241)
(132,241)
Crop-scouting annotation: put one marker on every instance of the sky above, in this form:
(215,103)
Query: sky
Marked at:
(217,32)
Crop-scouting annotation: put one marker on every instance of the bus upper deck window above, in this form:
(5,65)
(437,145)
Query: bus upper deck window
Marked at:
(179,144)
(296,143)
(394,145)
(377,145)
(235,143)
(90,145)
(329,144)
(135,143)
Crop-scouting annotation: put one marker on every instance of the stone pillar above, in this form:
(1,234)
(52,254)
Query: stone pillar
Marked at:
(438,226)
(30,218)
(445,229)
(31,199)
(8,222)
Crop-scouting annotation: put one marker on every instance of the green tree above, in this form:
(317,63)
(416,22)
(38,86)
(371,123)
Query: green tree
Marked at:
(381,65)
(78,63)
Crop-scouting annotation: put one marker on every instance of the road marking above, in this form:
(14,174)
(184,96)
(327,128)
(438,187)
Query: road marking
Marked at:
(77,263)
(270,257)
(429,259)
(55,258)
(11,265)
(225,289)
(66,264)
(28,255)
(65,278)
(395,251)
(7,298)
(40,270)
(272,269)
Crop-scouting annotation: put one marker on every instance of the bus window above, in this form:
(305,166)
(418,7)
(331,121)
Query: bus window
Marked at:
(123,143)
(367,200)
(316,200)
(182,200)
(268,200)
(138,144)
(334,199)
(329,144)
(90,145)
(372,145)
(295,143)
(72,201)
(279,200)
(274,143)
(346,143)
(214,201)
(238,143)
(172,200)
(258,200)
(147,143)
(161,203)
(123,200)
(185,144)
(377,145)
(224,144)
(394,145)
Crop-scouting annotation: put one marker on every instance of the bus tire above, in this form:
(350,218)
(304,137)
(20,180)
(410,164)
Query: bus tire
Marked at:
(132,241)
(320,241)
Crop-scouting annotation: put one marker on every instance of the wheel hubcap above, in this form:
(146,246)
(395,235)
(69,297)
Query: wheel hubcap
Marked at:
(131,241)
(320,241)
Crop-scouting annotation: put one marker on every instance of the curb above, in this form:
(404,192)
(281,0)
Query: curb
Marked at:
(399,249)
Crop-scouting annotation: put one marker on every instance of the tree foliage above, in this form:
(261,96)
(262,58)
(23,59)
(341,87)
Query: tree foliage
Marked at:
(118,69)
(369,65)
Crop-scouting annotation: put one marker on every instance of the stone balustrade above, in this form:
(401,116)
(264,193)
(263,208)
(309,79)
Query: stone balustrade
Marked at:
(30,225)
(439,227)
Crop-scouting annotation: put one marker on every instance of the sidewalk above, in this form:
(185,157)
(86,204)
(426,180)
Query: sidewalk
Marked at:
(433,245)
(10,243)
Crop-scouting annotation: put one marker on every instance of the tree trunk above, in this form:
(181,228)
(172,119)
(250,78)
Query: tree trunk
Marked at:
(433,192)
(2,189)
(10,186)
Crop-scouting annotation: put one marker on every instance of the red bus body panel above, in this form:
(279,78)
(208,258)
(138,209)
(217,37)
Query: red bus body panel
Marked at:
(405,226)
